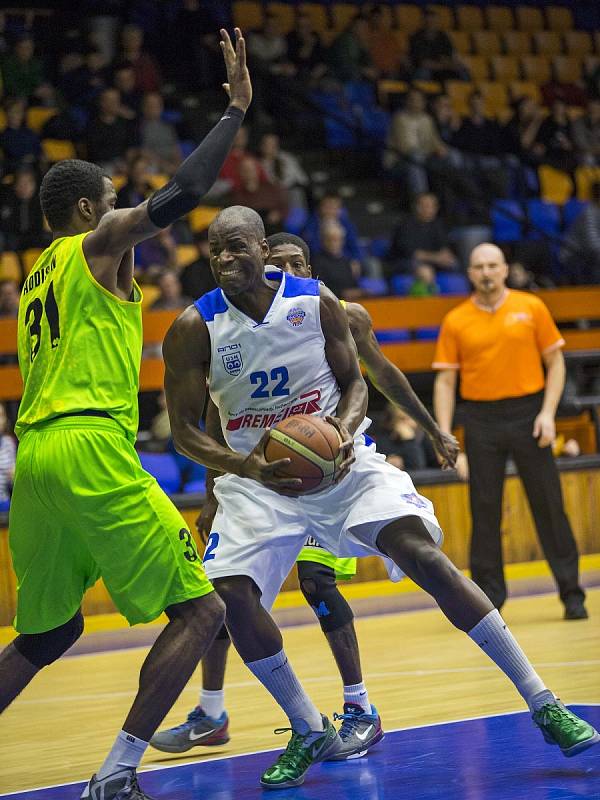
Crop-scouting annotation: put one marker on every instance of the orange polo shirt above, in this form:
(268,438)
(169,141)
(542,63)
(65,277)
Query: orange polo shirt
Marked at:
(498,351)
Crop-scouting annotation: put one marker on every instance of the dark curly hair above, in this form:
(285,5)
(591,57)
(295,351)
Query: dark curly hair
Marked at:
(289,238)
(63,187)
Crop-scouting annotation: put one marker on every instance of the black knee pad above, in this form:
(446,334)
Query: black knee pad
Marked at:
(41,649)
(223,633)
(319,587)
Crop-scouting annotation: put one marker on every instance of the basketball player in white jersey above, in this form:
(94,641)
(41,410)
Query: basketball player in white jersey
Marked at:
(269,344)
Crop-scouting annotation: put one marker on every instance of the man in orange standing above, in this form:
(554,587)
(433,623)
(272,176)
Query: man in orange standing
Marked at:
(499,341)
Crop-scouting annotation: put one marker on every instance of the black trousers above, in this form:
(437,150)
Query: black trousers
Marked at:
(493,431)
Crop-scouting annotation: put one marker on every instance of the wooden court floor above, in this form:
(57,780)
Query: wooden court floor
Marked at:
(418,670)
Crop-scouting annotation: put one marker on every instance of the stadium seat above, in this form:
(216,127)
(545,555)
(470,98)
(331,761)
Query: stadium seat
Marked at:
(186,254)
(445,16)
(164,468)
(201,217)
(295,220)
(342,14)
(499,18)
(525,89)
(505,68)
(556,186)
(559,18)
(360,93)
(10,267)
(409,18)
(340,131)
(486,43)
(478,67)
(461,41)
(578,43)
(452,283)
(195,487)
(394,335)
(4,505)
(284,14)
(158,180)
(247,15)
(571,210)
(29,257)
(379,246)
(400,284)
(317,14)
(58,149)
(567,69)
(529,19)
(536,69)
(507,221)
(118,181)
(459,93)
(496,97)
(37,116)
(376,287)
(517,43)
(547,43)
(150,293)
(469,18)
(545,217)
(428,87)
(584,178)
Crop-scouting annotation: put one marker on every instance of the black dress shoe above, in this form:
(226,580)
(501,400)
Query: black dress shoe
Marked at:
(575,609)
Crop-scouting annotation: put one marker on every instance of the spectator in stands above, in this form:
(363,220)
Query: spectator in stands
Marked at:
(8,456)
(196,55)
(157,137)
(271,72)
(22,72)
(519,277)
(268,47)
(229,177)
(9,299)
(21,215)
(171,296)
(305,51)
(348,57)
(554,139)
(81,85)
(431,52)
(446,120)
(331,266)
(331,209)
(110,138)
(147,73)
(197,278)
(521,131)
(283,168)
(270,200)
(405,443)
(421,238)
(125,82)
(586,135)
(137,188)
(424,283)
(155,255)
(384,47)
(19,144)
(581,245)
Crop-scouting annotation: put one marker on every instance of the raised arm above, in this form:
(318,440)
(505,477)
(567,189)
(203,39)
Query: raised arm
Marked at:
(393,384)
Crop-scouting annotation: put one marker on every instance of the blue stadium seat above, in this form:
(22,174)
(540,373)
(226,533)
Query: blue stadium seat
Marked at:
(4,505)
(360,93)
(571,210)
(392,336)
(379,246)
(194,487)
(164,468)
(374,286)
(452,283)
(545,217)
(401,284)
(339,132)
(427,334)
(507,221)
(295,220)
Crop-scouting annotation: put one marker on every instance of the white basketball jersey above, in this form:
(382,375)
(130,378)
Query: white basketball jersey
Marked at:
(263,372)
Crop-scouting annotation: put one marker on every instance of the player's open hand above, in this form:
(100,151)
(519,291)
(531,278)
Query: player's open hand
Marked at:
(346,447)
(446,448)
(256,467)
(206,517)
(238,86)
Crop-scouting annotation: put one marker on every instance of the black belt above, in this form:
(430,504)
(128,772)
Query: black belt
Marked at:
(88,412)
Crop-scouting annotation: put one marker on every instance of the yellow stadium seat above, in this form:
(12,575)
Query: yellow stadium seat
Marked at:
(186,253)
(486,43)
(559,18)
(387,87)
(317,14)
(585,177)
(529,19)
(284,15)
(29,257)
(461,42)
(478,67)
(37,116)
(118,181)
(500,18)
(150,293)
(547,43)
(409,18)
(574,112)
(556,186)
(445,16)
(157,181)
(469,18)
(567,69)
(201,217)
(578,43)
(342,14)
(10,267)
(459,93)
(536,68)
(517,43)
(247,15)
(428,87)
(58,149)
(525,89)
(496,97)
(505,68)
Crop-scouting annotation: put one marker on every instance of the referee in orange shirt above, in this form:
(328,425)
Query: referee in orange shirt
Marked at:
(498,340)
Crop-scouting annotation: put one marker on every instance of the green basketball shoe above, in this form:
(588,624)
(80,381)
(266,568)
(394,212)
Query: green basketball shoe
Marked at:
(302,751)
(563,728)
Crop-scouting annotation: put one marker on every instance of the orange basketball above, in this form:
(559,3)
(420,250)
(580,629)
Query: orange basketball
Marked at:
(312,444)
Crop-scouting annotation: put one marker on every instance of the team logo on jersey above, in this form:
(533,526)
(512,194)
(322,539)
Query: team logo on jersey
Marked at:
(414,499)
(232,359)
(296,317)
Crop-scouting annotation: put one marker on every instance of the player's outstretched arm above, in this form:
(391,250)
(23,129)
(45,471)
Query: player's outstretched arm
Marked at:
(394,385)
(120,230)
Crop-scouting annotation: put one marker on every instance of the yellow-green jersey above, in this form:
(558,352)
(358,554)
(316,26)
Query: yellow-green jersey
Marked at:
(79,345)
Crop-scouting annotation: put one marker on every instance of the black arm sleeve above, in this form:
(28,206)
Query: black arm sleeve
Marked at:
(197,174)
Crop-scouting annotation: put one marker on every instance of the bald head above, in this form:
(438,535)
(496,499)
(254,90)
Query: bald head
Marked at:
(238,249)
(240,217)
(486,252)
(488,271)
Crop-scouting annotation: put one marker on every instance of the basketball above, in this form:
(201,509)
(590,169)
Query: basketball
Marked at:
(312,444)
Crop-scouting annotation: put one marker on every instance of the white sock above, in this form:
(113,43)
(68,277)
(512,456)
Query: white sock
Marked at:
(127,751)
(212,702)
(277,676)
(357,693)
(494,638)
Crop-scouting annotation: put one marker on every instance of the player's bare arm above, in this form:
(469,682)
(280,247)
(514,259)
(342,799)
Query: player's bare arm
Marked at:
(209,509)
(119,230)
(186,351)
(394,385)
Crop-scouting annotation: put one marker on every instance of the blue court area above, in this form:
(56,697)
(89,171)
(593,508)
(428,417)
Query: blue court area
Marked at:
(492,758)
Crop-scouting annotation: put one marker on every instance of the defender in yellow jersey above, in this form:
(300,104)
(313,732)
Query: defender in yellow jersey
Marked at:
(82,505)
